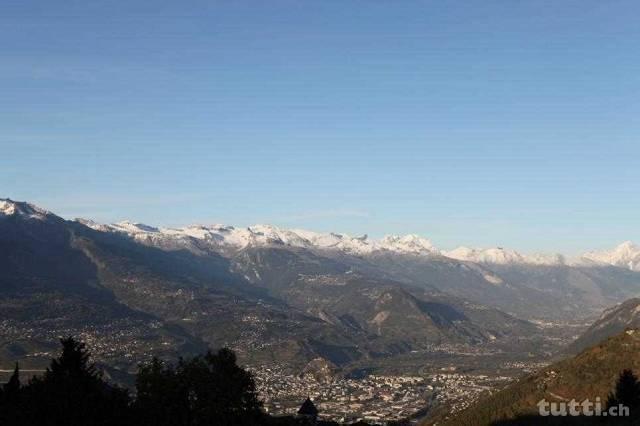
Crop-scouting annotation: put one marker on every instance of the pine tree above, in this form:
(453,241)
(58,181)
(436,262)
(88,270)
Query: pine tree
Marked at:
(71,392)
(162,396)
(627,392)
(11,389)
(205,390)
(11,400)
(74,362)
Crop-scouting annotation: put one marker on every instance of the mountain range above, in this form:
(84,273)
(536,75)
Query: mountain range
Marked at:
(559,287)
(230,238)
(274,295)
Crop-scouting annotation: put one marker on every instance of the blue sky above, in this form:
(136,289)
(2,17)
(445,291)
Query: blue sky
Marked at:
(511,123)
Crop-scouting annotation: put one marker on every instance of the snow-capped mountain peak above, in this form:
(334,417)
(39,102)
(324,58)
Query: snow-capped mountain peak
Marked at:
(333,241)
(8,207)
(410,243)
(269,234)
(625,255)
(492,255)
(229,237)
(93,225)
(134,227)
(501,256)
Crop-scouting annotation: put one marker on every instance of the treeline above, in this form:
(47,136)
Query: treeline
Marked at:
(206,390)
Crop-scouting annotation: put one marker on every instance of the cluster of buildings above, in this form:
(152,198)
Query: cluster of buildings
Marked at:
(525,366)
(122,342)
(374,399)
(459,391)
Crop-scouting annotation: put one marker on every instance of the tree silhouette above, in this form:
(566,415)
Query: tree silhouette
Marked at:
(71,392)
(161,395)
(10,398)
(627,392)
(11,390)
(205,390)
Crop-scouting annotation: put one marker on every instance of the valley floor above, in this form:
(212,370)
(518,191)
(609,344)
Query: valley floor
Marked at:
(410,386)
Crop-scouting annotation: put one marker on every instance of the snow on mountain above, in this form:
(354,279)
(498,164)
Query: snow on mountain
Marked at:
(625,255)
(221,237)
(502,256)
(268,234)
(546,259)
(407,244)
(134,228)
(229,237)
(214,235)
(363,245)
(492,255)
(94,225)
(9,207)
(342,242)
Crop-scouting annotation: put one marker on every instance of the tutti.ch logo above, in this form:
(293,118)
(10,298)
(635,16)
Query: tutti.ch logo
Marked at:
(584,408)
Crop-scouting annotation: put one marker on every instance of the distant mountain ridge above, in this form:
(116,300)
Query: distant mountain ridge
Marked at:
(539,287)
(502,256)
(626,255)
(230,237)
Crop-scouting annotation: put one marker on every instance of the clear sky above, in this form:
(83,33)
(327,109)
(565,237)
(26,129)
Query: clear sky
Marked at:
(511,123)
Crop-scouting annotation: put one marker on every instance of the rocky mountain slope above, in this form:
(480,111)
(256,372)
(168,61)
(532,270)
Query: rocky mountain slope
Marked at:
(613,321)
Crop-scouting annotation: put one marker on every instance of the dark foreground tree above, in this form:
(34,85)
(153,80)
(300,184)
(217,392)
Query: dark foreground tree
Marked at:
(626,392)
(205,390)
(208,390)
(72,393)
(11,390)
(10,397)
